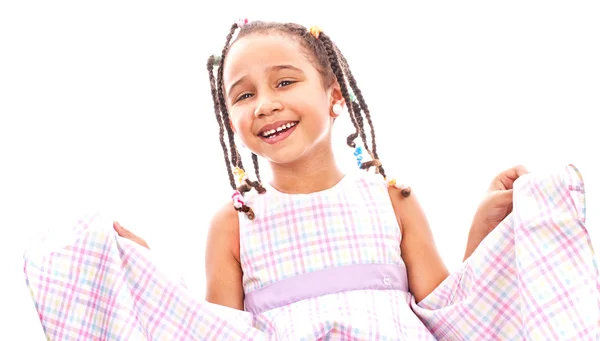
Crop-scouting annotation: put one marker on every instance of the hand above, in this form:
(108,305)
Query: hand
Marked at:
(123,232)
(497,204)
(495,207)
(506,179)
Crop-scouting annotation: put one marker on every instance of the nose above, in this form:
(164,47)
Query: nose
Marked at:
(267,106)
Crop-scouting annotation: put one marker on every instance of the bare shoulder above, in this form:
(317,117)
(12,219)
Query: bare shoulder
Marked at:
(407,209)
(222,262)
(226,211)
(409,213)
(224,230)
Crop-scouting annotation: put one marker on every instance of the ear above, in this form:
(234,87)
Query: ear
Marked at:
(336,97)
(232,127)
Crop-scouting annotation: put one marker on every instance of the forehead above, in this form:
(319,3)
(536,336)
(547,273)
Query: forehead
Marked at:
(257,51)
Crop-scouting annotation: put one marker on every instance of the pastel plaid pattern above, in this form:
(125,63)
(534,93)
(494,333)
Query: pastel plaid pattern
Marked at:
(351,223)
(91,284)
(349,315)
(534,277)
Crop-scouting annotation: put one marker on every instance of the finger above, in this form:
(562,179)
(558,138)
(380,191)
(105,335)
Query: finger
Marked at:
(503,198)
(506,179)
(515,172)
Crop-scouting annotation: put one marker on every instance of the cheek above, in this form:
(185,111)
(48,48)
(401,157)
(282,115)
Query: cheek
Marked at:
(320,107)
(241,122)
(320,114)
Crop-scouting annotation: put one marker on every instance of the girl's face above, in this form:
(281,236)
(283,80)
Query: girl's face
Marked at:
(276,99)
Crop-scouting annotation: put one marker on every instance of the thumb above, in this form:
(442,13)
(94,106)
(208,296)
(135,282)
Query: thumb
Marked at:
(121,231)
(521,170)
(125,233)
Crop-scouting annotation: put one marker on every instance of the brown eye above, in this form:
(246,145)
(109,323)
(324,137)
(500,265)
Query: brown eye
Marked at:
(284,83)
(243,97)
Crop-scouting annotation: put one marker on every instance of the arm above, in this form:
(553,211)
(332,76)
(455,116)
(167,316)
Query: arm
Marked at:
(425,267)
(475,237)
(223,269)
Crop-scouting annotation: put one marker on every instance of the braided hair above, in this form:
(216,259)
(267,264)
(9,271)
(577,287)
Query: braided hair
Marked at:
(329,62)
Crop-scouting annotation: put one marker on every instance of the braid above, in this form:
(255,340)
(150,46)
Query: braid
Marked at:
(255,162)
(338,72)
(211,77)
(223,120)
(256,185)
(355,108)
(359,121)
(363,106)
(235,161)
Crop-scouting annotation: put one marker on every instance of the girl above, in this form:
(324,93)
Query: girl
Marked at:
(279,88)
(318,253)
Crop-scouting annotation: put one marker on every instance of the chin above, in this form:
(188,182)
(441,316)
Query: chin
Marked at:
(282,159)
(284,156)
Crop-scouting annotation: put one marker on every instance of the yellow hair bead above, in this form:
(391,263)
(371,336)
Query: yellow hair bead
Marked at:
(240,174)
(316,31)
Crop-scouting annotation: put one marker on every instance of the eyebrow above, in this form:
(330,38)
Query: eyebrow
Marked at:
(282,67)
(273,68)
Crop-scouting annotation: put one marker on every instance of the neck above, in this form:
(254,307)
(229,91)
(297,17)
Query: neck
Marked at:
(316,172)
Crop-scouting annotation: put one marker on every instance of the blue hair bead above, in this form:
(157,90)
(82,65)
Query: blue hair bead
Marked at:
(358,154)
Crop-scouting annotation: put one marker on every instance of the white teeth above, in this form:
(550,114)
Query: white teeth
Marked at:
(278,129)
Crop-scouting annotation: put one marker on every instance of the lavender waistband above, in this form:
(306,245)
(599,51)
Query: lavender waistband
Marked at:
(327,281)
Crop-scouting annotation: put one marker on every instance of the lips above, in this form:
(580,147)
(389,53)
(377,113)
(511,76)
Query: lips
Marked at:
(273,129)
(278,131)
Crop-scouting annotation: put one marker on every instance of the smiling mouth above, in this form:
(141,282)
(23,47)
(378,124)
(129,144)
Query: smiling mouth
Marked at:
(269,134)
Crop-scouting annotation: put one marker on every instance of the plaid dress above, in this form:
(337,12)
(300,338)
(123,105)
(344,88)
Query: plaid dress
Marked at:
(327,266)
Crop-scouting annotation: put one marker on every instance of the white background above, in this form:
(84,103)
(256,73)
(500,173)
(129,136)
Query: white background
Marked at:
(106,106)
